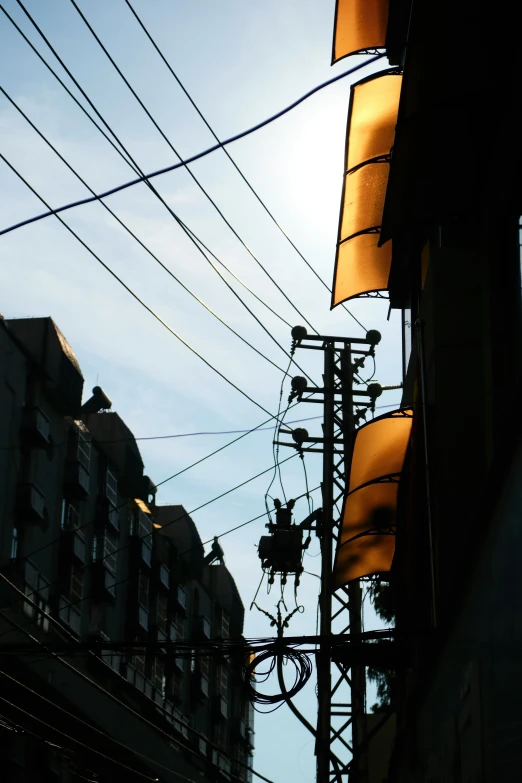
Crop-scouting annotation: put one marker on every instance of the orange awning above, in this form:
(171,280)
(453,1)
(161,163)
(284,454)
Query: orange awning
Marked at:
(367,540)
(360,25)
(361,266)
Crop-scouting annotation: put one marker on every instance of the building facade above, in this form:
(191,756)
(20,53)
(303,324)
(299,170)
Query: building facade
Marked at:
(87,555)
(441,221)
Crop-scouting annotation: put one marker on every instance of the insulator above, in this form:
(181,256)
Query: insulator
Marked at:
(373,337)
(300,435)
(374,390)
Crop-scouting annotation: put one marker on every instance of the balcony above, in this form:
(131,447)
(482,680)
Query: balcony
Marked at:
(164,576)
(201,627)
(77,480)
(106,513)
(146,553)
(70,615)
(36,428)
(143,617)
(30,504)
(79,547)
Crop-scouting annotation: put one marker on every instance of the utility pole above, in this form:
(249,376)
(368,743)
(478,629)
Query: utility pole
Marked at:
(341,731)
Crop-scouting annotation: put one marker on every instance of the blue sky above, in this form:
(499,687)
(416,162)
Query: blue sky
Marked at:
(241,62)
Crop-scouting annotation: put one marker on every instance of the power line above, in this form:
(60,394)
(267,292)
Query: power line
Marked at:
(134,236)
(231,159)
(141,538)
(189,171)
(190,234)
(99,687)
(181,516)
(116,148)
(134,295)
(77,741)
(186,161)
(94,728)
(194,434)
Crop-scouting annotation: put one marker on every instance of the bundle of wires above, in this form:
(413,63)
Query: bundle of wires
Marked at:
(274,654)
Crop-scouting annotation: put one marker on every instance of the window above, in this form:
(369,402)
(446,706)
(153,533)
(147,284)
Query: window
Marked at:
(76,585)
(143,600)
(220,734)
(143,590)
(158,674)
(223,681)
(164,576)
(111,487)
(204,667)
(178,627)
(72,518)
(109,581)
(225,624)
(14,543)
(145,527)
(177,687)
(110,555)
(182,596)
(161,612)
(84,449)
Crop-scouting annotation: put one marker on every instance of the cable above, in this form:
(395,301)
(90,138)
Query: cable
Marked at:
(93,728)
(190,234)
(193,434)
(195,179)
(127,161)
(231,159)
(274,452)
(66,754)
(167,524)
(133,294)
(197,546)
(134,236)
(99,687)
(77,741)
(192,158)
(197,242)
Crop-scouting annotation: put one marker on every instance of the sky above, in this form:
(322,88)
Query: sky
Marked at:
(240,62)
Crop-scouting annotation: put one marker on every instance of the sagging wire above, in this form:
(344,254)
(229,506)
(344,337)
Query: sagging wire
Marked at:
(275,449)
(276,654)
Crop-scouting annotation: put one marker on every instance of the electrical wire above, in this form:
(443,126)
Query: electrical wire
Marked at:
(134,295)
(230,158)
(77,741)
(190,234)
(193,434)
(133,235)
(91,727)
(104,690)
(167,524)
(98,197)
(189,171)
(192,158)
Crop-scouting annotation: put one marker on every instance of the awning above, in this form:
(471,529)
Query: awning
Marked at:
(367,539)
(360,25)
(361,266)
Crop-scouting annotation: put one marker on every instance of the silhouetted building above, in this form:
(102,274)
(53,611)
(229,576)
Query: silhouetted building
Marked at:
(88,556)
(431,212)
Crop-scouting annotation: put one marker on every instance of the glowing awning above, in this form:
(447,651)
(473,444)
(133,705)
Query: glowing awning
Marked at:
(367,541)
(361,266)
(359,25)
